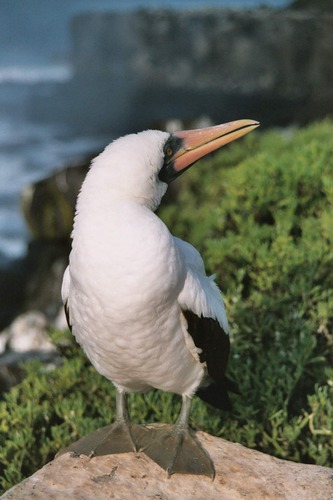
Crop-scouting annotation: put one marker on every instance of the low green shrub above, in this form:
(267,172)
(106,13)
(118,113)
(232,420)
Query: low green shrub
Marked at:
(261,213)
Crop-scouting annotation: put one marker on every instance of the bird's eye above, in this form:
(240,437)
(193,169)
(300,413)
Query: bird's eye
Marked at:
(169,151)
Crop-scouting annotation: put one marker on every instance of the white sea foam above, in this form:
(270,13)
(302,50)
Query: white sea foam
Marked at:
(35,74)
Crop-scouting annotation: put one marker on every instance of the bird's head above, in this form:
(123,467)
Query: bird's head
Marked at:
(140,166)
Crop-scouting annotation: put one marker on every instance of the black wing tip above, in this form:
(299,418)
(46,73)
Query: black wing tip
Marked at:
(214,343)
(215,396)
(66,308)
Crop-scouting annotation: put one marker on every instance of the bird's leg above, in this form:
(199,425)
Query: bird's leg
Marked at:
(115,438)
(176,449)
(118,438)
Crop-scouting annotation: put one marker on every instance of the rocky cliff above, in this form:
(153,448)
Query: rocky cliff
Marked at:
(132,69)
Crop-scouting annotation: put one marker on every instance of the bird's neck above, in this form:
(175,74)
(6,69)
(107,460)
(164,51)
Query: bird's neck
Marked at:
(101,189)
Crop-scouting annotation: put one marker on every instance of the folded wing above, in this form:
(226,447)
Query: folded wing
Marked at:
(203,309)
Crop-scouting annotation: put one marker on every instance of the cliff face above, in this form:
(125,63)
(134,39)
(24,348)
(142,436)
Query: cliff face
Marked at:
(135,68)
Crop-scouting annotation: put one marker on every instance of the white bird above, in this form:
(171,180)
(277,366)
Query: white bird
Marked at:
(138,299)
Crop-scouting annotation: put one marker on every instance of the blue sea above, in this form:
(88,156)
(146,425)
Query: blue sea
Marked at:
(34,56)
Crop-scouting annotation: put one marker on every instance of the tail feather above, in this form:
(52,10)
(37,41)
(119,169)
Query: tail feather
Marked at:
(217,395)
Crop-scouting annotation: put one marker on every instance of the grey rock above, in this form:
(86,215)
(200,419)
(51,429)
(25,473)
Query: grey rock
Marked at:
(48,205)
(28,333)
(24,339)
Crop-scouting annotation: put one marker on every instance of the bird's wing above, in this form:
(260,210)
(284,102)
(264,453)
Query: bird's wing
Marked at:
(65,294)
(200,294)
(203,309)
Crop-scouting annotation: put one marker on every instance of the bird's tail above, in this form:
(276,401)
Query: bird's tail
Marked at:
(217,395)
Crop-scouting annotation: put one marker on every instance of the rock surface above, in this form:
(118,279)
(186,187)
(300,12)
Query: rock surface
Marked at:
(240,473)
(49,204)
(24,339)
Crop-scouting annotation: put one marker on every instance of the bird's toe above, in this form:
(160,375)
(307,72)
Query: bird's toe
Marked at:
(111,439)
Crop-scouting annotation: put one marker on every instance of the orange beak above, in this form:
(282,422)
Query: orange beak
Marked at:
(187,146)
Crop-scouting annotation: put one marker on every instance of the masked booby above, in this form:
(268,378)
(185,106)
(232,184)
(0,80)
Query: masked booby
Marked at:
(138,299)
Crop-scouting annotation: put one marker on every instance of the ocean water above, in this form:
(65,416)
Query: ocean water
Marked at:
(34,55)
(30,151)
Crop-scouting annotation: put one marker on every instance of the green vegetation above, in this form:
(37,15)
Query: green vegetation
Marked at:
(261,212)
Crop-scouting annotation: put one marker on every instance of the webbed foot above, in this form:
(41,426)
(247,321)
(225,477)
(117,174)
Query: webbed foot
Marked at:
(116,438)
(176,450)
